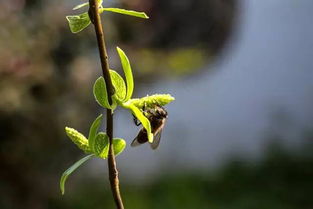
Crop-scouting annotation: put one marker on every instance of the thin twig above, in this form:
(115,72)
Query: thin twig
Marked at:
(113,173)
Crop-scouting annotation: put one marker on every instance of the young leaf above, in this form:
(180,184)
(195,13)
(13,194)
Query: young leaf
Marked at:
(93,132)
(78,139)
(100,2)
(125,12)
(119,85)
(140,116)
(100,93)
(86,4)
(128,73)
(101,146)
(118,145)
(81,5)
(78,22)
(70,170)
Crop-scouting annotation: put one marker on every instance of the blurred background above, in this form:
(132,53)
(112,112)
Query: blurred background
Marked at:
(239,135)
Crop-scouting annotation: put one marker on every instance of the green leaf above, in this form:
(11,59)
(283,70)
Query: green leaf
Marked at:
(100,2)
(101,146)
(70,170)
(128,73)
(87,4)
(125,12)
(78,139)
(150,101)
(93,132)
(100,93)
(143,119)
(78,22)
(81,5)
(119,85)
(118,145)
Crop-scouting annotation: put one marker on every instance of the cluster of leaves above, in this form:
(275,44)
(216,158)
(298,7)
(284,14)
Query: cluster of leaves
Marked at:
(123,93)
(97,144)
(79,22)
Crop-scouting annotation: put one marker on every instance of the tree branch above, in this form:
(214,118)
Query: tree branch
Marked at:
(113,173)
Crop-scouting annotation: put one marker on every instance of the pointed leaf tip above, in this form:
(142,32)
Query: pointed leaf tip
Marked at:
(128,73)
(81,5)
(93,132)
(142,118)
(125,12)
(70,170)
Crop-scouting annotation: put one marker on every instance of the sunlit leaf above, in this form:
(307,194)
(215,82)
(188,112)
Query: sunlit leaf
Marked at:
(118,145)
(100,2)
(78,22)
(93,132)
(128,73)
(101,146)
(100,93)
(70,170)
(87,4)
(125,12)
(142,118)
(81,5)
(119,85)
(78,139)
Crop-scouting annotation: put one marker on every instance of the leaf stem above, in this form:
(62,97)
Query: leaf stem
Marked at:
(113,172)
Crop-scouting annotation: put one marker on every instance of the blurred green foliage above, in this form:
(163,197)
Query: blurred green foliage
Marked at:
(282,180)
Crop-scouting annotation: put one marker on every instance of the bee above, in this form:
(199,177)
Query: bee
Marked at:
(157,116)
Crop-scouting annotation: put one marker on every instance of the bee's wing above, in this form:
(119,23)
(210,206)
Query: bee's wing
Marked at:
(135,142)
(140,138)
(157,135)
(136,121)
(156,140)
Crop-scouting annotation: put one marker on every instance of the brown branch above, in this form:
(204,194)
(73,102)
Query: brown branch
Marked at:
(113,173)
